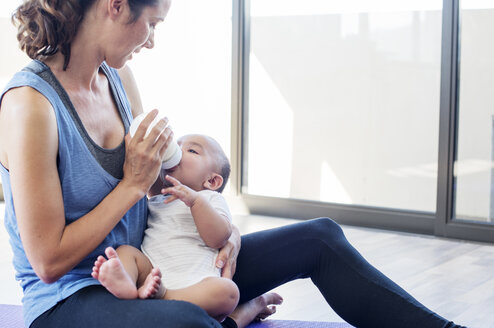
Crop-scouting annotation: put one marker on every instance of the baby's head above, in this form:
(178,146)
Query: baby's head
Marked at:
(204,165)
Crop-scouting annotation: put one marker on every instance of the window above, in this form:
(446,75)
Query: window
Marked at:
(343,101)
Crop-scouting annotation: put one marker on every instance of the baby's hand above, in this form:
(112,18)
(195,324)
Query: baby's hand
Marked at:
(179,191)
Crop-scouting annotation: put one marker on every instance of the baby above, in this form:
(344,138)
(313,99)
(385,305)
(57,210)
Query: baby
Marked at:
(188,222)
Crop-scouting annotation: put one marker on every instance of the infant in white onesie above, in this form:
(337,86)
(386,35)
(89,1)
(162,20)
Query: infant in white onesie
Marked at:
(186,228)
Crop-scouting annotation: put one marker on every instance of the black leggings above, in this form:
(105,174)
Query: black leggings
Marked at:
(315,249)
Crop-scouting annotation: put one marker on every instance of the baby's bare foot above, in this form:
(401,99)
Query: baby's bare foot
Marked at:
(258,308)
(113,276)
(152,287)
(97,265)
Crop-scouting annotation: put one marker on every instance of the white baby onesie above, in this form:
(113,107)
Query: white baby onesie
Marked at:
(173,244)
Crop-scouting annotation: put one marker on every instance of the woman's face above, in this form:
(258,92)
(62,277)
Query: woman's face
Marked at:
(132,37)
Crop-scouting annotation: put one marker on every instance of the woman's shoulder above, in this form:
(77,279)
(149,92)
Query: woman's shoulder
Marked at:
(26,119)
(27,89)
(25,99)
(25,107)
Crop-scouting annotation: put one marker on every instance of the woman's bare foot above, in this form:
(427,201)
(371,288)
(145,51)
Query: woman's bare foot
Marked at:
(152,287)
(258,308)
(113,276)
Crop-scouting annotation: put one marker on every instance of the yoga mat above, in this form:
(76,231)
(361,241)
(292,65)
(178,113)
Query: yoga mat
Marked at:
(11,316)
(298,324)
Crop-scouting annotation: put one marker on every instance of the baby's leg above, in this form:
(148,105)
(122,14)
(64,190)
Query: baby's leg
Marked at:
(146,278)
(218,296)
(123,269)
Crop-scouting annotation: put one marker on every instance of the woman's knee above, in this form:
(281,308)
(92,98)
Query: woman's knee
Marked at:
(325,229)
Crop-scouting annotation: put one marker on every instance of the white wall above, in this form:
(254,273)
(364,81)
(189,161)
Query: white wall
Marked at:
(187,76)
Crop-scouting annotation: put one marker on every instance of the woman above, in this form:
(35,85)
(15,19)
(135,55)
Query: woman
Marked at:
(75,185)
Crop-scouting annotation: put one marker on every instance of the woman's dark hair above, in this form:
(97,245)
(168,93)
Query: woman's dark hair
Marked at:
(45,27)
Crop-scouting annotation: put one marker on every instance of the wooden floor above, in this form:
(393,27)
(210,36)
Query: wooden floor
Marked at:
(454,278)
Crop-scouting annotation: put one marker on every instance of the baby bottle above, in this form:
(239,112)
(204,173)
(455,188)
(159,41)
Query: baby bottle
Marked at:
(173,153)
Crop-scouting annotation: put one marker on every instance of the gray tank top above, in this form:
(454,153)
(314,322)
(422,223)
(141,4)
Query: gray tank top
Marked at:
(111,160)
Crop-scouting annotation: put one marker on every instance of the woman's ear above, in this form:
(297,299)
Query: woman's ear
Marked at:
(214,182)
(115,8)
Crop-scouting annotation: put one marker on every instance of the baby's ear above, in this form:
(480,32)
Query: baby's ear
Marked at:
(214,182)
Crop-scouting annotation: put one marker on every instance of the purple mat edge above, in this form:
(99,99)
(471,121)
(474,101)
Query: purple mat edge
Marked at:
(11,316)
(298,324)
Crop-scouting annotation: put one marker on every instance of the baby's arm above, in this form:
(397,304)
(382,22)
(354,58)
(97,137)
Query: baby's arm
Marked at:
(213,227)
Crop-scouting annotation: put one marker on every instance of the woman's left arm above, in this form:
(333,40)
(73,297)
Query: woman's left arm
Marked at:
(227,257)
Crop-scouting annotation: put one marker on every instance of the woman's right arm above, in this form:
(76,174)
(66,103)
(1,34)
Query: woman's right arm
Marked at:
(30,148)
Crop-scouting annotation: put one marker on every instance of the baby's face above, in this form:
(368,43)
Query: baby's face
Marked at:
(199,161)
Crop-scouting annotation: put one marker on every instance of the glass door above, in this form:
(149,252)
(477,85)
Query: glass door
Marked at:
(474,163)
